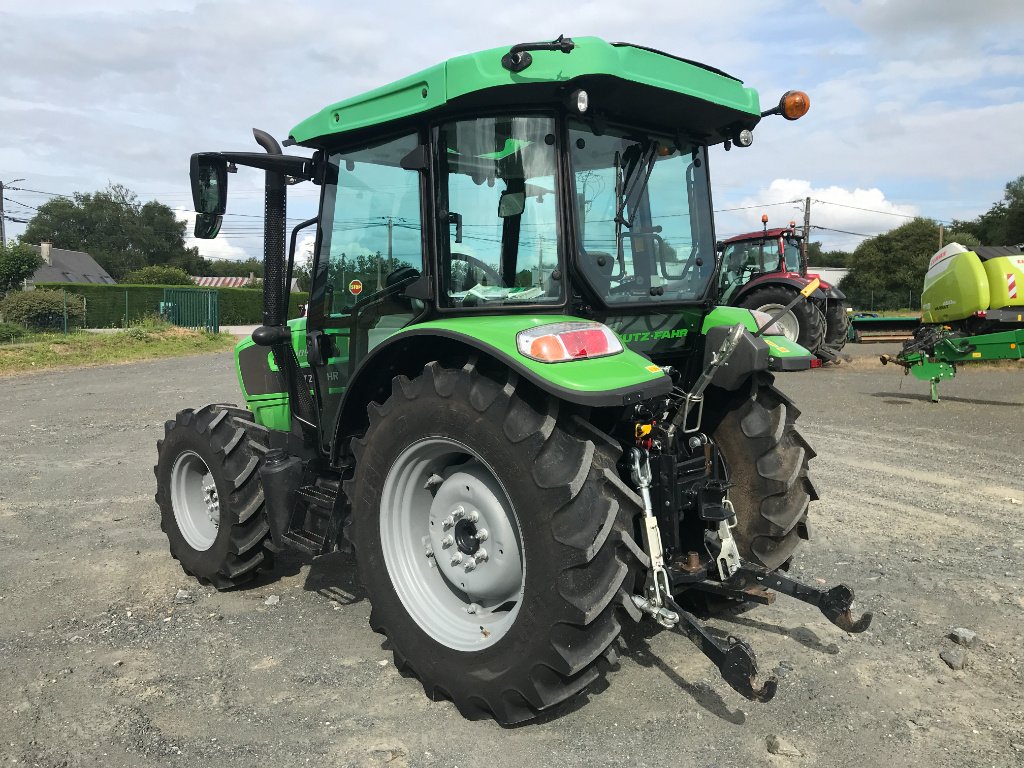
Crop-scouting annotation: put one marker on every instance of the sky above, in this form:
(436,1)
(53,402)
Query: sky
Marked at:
(916,105)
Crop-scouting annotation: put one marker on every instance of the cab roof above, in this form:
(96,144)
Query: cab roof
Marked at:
(625,82)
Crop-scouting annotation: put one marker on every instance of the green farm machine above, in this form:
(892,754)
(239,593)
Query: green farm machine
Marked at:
(535,424)
(972,310)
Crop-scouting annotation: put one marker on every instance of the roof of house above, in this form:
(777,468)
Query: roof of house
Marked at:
(71,267)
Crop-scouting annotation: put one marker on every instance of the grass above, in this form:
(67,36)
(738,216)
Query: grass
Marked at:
(149,339)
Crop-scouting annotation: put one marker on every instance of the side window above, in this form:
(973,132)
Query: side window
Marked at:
(502,244)
(371,227)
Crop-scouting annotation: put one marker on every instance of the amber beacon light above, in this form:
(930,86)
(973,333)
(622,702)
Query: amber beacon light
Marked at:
(793,105)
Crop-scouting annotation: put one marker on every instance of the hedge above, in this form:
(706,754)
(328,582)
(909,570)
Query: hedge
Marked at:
(43,310)
(106,305)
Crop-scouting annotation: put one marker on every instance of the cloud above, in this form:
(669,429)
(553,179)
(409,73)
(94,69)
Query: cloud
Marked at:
(219,248)
(906,20)
(835,211)
(915,98)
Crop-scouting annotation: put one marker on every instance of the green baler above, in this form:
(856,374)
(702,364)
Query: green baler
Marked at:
(972,310)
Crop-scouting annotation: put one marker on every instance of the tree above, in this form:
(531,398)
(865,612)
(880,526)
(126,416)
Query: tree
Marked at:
(819,258)
(1003,223)
(158,275)
(18,262)
(228,268)
(115,229)
(887,271)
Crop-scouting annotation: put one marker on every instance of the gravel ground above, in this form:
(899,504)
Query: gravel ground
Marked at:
(104,662)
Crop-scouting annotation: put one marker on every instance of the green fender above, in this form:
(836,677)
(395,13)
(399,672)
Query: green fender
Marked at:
(783,354)
(615,380)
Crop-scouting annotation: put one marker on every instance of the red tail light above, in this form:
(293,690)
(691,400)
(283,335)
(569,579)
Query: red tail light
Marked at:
(558,342)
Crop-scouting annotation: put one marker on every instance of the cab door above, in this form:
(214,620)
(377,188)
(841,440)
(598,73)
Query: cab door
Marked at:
(369,249)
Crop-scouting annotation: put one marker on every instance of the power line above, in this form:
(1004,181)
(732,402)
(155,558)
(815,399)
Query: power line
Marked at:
(748,207)
(883,213)
(841,231)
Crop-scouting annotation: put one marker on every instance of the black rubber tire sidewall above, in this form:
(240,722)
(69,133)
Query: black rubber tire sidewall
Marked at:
(808,317)
(201,563)
(522,672)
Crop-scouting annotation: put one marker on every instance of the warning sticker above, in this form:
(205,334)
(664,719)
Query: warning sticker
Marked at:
(355,287)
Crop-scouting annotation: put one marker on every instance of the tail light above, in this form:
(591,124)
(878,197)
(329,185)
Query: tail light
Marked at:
(815,363)
(559,342)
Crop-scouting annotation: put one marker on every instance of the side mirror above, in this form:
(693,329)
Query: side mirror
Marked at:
(719,246)
(511,204)
(209,176)
(208,225)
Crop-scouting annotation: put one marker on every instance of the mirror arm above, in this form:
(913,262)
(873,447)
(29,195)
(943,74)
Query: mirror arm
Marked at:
(287,165)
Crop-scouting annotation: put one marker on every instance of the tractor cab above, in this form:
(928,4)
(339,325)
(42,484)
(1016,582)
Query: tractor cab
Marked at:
(745,257)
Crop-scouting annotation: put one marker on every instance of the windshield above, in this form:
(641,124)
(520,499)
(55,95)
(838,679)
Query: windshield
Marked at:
(644,215)
(499,178)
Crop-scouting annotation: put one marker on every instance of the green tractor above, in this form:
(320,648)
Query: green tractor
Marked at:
(512,392)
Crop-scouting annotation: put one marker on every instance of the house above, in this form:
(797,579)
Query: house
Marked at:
(237,282)
(831,275)
(61,266)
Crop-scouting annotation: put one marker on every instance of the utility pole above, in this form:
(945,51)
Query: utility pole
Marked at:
(807,234)
(3,230)
(941,235)
(391,229)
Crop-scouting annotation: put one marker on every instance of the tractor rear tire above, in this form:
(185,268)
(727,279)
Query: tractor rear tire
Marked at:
(545,483)
(810,332)
(210,495)
(767,461)
(837,325)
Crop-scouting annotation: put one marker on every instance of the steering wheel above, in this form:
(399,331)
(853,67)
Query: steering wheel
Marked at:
(473,261)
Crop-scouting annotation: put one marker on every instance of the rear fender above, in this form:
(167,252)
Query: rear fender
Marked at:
(615,380)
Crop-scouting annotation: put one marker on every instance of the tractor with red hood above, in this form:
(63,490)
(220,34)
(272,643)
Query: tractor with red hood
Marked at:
(766,271)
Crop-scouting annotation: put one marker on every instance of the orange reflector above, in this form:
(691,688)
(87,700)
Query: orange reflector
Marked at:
(547,348)
(794,104)
(815,363)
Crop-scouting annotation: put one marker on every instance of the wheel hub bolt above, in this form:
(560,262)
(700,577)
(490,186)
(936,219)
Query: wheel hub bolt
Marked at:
(447,541)
(469,566)
(480,556)
(481,535)
(459,513)
(473,516)
(456,559)
(472,608)
(447,523)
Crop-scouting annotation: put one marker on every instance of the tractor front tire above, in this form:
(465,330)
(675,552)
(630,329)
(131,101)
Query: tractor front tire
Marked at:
(210,496)
(456,462)
(803,324)
(767,461)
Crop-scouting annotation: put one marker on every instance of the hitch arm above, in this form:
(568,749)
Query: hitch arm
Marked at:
(734,658)
(835,603)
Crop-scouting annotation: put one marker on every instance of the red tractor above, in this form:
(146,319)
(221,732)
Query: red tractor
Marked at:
(764,271)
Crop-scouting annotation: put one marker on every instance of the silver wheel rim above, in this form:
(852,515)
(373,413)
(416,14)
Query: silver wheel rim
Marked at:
(452,544)
(787,322)
(195,501)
